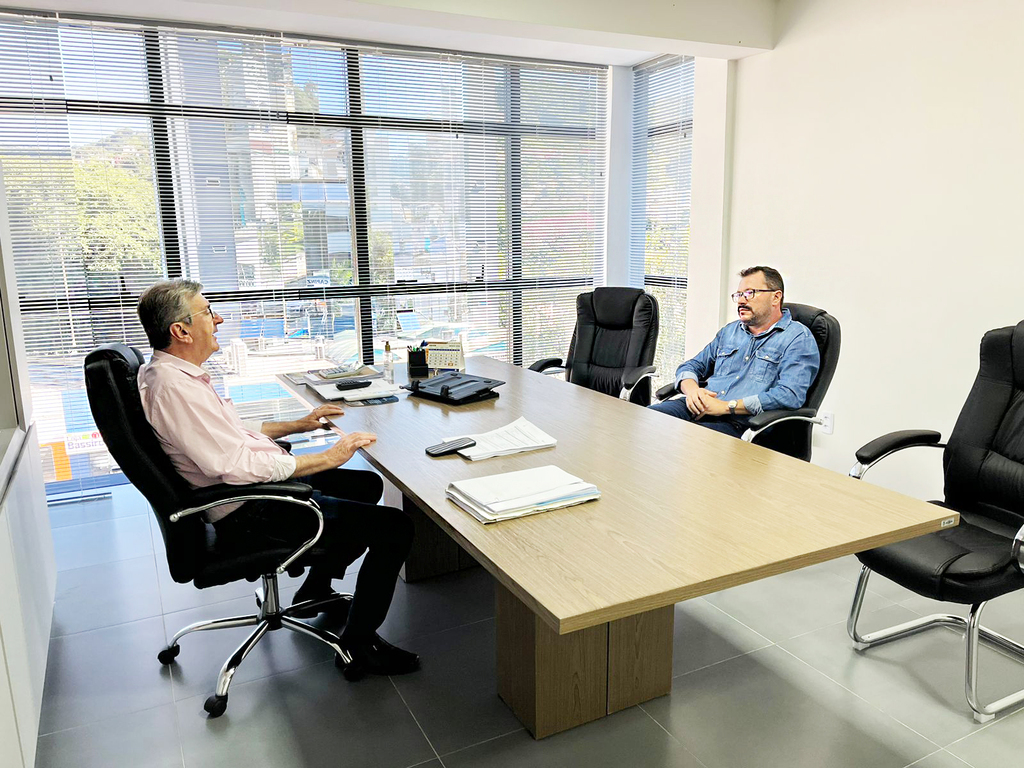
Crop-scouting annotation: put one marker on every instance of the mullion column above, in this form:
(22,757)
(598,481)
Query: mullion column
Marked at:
(360,208)
(515,212)
(162,157)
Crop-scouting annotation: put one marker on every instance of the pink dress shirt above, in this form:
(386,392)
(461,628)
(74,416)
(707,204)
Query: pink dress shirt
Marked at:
(201,432)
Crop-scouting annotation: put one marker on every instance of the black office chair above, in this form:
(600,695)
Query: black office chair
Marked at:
(981,559)
(193,553)
(789,431)
(613,344)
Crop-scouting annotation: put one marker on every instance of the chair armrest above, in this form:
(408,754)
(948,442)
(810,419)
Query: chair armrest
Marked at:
(221,494)
(664,393)
(632,376)
(874,451)
(287,493)
(203,499)
(871,452)
(284,444)
(548,362)
(765,419)
(1015,550)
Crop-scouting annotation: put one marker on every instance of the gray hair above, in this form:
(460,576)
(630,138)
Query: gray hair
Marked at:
(163,304)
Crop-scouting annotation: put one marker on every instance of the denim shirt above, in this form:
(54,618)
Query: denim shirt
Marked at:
(770,371)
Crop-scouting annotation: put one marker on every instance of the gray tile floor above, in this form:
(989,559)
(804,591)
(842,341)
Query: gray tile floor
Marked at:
(764,676)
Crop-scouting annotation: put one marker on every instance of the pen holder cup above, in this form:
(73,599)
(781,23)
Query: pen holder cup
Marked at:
(418,364)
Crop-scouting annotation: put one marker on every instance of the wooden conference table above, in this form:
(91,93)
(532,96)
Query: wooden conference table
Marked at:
(585,594)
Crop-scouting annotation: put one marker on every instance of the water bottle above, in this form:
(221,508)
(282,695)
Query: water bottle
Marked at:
(389,364)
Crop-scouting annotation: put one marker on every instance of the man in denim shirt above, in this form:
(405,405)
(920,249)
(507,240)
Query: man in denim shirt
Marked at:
(763,361)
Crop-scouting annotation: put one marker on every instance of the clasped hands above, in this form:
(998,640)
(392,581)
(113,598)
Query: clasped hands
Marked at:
(703,402)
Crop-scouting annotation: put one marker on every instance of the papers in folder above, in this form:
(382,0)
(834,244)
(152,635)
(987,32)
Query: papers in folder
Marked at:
(517,494)
(377,388)
(516,437)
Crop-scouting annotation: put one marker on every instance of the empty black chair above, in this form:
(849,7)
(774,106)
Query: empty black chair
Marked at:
(613,344)
(979,560)
(789,432)
(111,373)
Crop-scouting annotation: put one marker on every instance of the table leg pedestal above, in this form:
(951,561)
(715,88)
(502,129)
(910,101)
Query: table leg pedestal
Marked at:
(640,657)
(555,682)
(434,552)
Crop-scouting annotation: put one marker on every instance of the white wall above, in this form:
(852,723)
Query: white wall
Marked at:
(706,278)
(879,164)
(620,167)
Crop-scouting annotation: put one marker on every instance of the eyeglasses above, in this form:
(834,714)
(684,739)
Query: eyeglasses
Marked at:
(209,308)
(749,293)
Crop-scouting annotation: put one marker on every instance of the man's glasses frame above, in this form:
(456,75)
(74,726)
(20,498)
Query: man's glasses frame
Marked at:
(209,308)
(749,293)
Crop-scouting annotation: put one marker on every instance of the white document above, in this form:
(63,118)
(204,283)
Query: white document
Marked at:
(517,494)
(377,388)
(517,437)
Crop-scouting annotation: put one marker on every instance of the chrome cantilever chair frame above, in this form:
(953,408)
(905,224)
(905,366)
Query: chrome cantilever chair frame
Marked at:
(974,633)
(271,615)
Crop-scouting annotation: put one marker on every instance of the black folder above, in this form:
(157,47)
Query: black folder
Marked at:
(455,388)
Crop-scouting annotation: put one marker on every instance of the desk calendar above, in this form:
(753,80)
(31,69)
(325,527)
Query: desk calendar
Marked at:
(445,356)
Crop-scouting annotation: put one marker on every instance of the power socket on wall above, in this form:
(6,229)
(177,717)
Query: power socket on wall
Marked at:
(827,421)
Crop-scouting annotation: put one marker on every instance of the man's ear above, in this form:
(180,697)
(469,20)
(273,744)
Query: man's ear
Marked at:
(179,332)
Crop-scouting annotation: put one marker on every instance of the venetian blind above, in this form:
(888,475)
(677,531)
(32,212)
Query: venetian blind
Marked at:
(329,196)
(660,207)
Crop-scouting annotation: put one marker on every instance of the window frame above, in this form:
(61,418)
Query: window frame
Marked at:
(158,111)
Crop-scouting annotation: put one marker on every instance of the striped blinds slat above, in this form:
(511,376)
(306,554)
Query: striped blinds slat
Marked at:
(660,207)
(330,197)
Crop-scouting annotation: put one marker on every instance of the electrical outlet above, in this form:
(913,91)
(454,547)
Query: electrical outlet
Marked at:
(828,421)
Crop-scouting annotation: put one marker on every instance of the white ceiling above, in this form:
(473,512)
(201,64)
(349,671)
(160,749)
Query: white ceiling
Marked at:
(385,23)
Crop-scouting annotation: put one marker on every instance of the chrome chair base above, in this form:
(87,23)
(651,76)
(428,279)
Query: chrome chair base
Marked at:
(270,617)
(973,632)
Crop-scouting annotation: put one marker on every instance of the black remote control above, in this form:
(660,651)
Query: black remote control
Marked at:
(352,384)
(443,449)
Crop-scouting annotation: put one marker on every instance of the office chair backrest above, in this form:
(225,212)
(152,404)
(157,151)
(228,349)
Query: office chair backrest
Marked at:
(111,376)
(984,457)
(616,329)
(825,329)
(794,437)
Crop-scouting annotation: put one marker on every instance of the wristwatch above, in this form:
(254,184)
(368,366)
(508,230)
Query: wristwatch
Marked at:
(732,407)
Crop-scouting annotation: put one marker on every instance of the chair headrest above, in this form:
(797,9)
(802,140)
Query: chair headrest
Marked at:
(614,306)
(1017,352)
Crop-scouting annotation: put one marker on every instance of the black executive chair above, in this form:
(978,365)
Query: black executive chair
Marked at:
(613,344)
(192,550)
(981,559)
(785,431)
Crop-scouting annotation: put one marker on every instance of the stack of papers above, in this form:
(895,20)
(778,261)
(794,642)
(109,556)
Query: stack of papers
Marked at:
(516,437)
(377,388)
(518,494)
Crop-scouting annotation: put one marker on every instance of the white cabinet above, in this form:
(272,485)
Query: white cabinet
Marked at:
(27,583)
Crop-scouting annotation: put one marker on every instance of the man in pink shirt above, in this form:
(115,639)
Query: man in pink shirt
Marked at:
(209,444)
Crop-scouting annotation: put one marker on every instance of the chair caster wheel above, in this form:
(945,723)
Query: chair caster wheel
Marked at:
(216,705)
(353,672)
(168,654)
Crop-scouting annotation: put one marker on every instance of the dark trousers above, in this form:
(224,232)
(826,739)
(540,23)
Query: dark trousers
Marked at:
(353,524)
(724,424)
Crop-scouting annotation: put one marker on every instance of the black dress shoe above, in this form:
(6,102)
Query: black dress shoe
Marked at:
(337,609)
(379,657)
